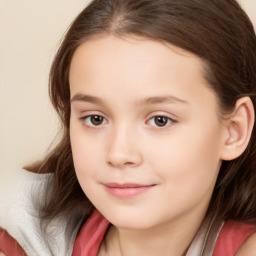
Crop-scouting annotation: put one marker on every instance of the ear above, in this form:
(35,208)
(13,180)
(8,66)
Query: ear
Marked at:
(238,129)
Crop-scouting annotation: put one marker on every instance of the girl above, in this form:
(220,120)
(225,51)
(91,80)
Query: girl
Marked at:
(158,150)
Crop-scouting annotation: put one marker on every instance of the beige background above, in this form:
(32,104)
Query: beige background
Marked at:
(30,31)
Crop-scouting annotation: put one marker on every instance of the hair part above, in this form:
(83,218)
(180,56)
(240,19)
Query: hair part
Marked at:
(217,31)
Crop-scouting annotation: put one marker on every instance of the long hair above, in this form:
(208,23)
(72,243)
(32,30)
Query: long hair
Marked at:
(218,32)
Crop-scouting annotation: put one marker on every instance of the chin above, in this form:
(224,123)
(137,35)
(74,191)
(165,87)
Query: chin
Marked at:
(129,219)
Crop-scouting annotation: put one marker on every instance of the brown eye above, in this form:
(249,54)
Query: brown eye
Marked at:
(160,121)
(94,120)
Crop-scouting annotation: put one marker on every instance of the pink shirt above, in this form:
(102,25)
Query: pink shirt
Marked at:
(93,232)
(9,246)
(231,237)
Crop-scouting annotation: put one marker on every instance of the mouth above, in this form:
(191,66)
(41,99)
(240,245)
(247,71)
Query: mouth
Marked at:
(127,190)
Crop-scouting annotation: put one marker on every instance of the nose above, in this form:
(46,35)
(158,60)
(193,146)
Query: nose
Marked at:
(123,148)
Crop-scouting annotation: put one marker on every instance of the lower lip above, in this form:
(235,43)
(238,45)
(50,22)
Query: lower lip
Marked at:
(127,192)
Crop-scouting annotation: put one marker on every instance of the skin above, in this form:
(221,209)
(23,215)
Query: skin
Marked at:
(180,160)
(248,248)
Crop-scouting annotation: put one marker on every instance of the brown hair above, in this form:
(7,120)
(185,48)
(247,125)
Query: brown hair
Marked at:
(217,31)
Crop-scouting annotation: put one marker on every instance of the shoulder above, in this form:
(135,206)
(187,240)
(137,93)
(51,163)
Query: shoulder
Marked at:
(16,196)
(9,245)
(18,188)
(249,247)
(21,198)
(233,237)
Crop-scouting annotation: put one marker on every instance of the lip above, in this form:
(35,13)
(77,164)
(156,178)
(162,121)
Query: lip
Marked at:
(127,190)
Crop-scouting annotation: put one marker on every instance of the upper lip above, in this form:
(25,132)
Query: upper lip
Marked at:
(127,185)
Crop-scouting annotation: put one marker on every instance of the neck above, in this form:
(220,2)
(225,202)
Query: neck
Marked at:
(166,239)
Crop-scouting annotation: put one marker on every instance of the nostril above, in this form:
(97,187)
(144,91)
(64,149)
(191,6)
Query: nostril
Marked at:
(114,163)
(121,162)
(129,163)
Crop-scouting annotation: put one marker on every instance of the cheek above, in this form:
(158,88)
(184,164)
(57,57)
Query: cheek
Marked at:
(86,158)
(189,160)
(85,153)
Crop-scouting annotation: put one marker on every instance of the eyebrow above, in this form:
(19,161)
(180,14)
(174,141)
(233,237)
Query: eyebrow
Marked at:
(161,99)
(86,98)
(146,101)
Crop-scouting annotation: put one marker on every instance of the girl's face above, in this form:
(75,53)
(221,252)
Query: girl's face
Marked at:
(145,131)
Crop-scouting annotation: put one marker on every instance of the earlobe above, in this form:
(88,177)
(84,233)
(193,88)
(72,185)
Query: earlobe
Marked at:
(238,129)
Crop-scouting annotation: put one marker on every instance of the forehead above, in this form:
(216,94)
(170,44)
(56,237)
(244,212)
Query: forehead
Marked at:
(109,50)
(136,65)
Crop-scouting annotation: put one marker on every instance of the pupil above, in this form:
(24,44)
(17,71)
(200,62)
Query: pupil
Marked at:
(161,120)
(96,120)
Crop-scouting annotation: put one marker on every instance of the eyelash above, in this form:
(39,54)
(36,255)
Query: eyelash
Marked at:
(87,119)
(170,121)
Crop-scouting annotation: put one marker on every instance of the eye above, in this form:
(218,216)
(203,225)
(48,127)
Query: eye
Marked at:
(160,121)
(94,120)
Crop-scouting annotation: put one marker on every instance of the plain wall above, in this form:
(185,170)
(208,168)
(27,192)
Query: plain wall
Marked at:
(30,32)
